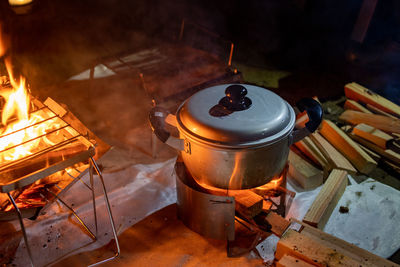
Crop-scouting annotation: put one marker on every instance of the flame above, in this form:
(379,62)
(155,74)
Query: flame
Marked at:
(236,179)
(19,135)
(274,184)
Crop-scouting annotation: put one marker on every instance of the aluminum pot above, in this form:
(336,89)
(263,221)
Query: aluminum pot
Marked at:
(235,136)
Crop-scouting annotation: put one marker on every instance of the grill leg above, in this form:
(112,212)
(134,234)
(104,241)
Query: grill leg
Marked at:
(93,197)
(94,165)
(74,213)
(22,226)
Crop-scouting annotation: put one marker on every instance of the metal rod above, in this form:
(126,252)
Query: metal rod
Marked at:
(182,29)
(29,126)
(153,145)
(109,214)
(153,100)
(74,213)
(15,119)
(22,227)
(230,55)
(93,196)
(39,153)
(37,137)
(83,182)
(91,78)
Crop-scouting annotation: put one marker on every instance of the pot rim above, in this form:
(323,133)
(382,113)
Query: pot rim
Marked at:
(239,146)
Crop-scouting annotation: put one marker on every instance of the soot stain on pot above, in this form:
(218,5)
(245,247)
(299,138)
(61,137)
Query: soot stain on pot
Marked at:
(219,111)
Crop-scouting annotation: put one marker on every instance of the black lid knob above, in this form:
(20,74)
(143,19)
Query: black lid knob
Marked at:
(235,99)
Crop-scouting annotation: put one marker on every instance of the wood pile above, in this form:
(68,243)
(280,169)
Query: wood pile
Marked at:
(363,136)
(369,136)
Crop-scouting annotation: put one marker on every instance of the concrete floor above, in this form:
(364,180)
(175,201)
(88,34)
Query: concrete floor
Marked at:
(162,240)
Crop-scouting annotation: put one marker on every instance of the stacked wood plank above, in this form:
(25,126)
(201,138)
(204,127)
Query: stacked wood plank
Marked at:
(323,205)
(377,131)
(355,154)
(303,172)
(370,136)
(331,154)
(312,247)
(361,94)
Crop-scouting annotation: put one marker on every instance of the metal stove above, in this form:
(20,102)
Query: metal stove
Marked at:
(215,215)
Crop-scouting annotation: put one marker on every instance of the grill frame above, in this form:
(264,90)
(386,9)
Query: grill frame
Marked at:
(19,182)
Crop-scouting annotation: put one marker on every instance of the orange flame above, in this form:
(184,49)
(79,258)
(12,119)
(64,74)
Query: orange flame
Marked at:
(18,137)
(274,184)
(17,99)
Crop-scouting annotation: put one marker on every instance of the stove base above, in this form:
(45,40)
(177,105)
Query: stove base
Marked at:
(208,215)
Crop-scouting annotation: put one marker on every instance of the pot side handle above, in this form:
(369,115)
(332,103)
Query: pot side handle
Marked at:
(314,112)
(158,116)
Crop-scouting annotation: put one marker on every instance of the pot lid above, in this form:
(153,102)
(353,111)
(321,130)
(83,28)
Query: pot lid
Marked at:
(236,115)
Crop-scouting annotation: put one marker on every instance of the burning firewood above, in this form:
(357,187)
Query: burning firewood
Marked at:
(247,202)
(30,197)
(37,163)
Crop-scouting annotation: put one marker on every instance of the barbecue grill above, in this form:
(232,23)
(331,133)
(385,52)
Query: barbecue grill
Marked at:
(66,149)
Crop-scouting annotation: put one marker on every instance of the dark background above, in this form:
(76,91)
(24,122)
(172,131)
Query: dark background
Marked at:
(309,38)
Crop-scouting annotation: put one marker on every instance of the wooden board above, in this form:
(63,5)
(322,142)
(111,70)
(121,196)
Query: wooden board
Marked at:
(278,223)
(308,148)
(373,155)
(380,112)
(358,157)
(386,153)
(290,261)
(301,119)
(372,134)
(353,105)
(336,158)
(364,257)
(395,167)
(247,202)
(381,122)
(266,206)
(325,202)
(357,92)
(310,250)
(307,176)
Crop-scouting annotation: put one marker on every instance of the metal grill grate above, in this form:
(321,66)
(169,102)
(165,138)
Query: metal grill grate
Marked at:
(58,147)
